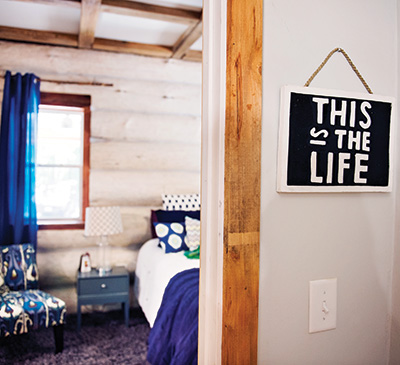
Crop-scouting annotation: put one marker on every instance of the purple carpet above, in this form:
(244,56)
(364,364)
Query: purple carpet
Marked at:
(103,339)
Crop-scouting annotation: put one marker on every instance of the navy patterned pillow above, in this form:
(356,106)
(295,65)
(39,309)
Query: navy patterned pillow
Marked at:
(172,236)
(171,216)
(19,266)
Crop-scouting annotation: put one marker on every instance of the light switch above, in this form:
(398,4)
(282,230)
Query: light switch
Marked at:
(323,305)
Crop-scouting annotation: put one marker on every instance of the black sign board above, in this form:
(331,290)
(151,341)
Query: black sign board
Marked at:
(332,141)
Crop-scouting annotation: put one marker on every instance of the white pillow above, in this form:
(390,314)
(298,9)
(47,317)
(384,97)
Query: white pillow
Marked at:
(192,233)
(181,201)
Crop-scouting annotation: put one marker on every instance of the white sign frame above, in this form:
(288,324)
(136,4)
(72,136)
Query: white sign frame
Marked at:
(283,145)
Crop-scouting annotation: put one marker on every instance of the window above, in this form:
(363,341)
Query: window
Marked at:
(62,170)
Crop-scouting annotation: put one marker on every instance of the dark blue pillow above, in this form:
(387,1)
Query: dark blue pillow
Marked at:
(170,216)
(172,236)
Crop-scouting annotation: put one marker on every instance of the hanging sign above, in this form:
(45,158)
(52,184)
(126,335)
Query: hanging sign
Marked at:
(334,141)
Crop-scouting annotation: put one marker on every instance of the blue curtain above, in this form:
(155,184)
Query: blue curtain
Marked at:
(21,99)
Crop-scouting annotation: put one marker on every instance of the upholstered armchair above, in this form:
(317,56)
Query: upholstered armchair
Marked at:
(23,307)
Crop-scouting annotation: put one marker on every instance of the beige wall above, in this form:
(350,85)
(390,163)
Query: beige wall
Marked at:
(145,141)
(317,236)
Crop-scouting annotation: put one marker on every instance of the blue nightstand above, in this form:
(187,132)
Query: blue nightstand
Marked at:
(112,287)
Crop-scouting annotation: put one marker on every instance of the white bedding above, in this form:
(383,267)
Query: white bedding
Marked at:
(154,269)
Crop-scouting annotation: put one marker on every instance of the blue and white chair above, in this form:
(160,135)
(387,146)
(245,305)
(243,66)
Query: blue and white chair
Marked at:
(23,307)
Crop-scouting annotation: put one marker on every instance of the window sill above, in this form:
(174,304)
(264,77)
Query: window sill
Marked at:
(60,224)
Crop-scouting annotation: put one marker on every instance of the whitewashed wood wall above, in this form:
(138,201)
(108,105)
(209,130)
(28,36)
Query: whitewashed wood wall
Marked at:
(145,141)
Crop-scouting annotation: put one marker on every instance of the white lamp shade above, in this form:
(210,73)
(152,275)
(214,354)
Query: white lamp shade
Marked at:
(103,221)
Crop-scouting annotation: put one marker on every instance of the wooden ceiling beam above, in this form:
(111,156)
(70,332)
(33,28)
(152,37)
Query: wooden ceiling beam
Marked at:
(134,8)
(194,56)
(38,36)
(132,48)
(156,12)
(70,40)
(66,3)
(192,34)
(90,10)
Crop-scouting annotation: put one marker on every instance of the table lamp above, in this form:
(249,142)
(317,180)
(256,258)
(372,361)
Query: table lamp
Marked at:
(103,222)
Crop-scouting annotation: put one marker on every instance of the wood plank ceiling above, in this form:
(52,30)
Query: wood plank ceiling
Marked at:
(89,14)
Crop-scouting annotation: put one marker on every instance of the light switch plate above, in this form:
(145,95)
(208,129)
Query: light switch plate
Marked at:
(323,305)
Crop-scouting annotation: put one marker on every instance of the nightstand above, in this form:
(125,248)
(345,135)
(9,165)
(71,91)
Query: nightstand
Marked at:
(112,287)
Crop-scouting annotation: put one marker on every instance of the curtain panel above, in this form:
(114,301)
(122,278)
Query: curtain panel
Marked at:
(18,134)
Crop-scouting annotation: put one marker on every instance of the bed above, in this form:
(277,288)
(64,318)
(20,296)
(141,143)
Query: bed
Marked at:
(167,281)
(174,336)
(154,270)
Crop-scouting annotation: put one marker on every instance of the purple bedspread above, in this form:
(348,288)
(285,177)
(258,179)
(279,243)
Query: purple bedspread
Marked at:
(173,338)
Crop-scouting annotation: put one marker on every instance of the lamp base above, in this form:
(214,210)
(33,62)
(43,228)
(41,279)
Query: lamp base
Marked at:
(104,266)
(104,270)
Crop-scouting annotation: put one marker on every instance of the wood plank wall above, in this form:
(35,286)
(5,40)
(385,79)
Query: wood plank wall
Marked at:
(145,141)
(242,182)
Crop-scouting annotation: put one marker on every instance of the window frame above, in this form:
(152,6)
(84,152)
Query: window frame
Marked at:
(84,102)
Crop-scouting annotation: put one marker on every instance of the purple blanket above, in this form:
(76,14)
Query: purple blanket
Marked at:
(173,338)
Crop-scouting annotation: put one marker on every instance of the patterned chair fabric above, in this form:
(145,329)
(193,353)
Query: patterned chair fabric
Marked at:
(22,306)
(19,266)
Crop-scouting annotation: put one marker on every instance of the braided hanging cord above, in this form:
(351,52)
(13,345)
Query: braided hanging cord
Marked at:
(346,56)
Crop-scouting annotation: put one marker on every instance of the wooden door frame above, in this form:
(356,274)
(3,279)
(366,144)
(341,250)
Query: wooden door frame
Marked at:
(231,169)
